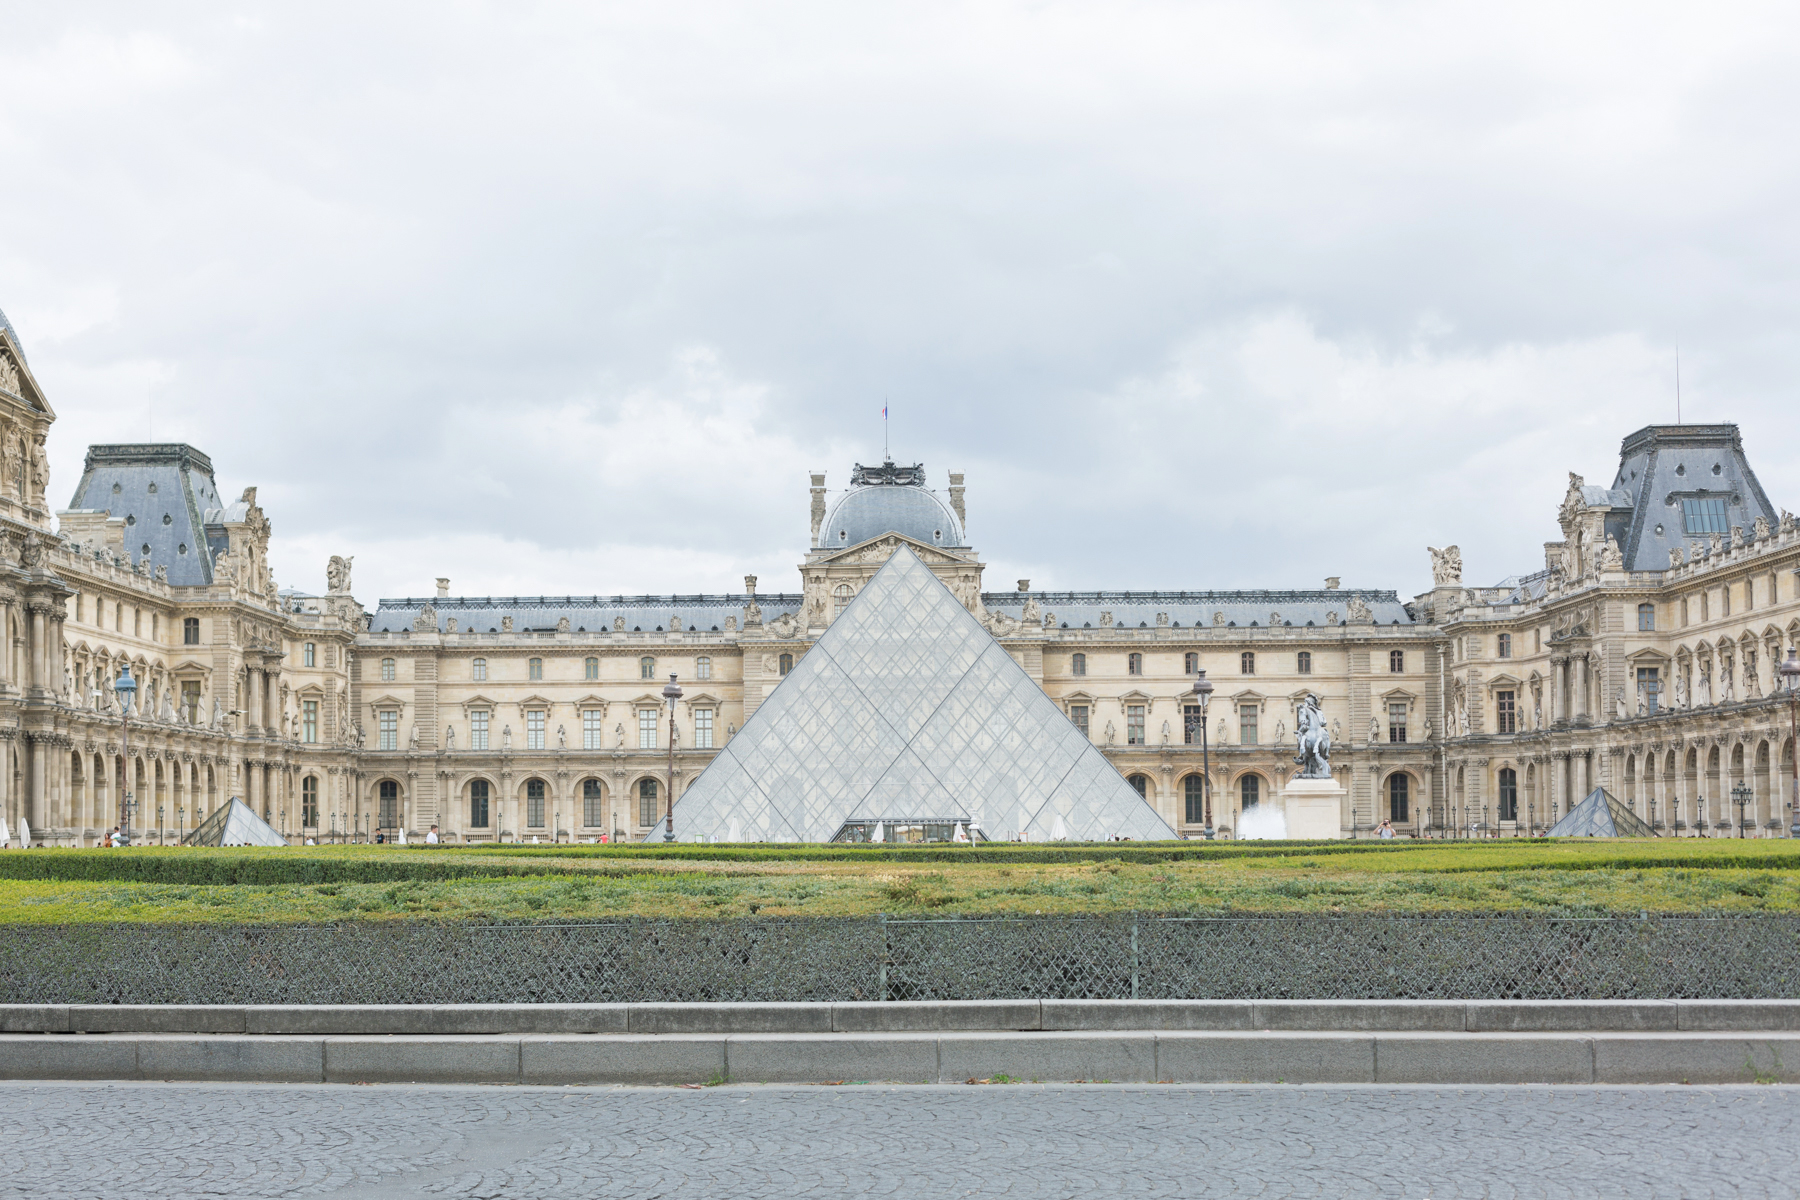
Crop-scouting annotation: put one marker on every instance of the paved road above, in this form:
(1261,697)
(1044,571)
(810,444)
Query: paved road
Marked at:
(148,1141)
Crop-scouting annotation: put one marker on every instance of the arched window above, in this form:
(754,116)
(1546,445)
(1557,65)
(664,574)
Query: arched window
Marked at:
(478,804)
(647,810)
(1247,663)
(840,598)
(478,670)
(1250,791)
(646,668)
(1646,617)
(534,804)
(703,667)
(1078,664)
(390,804)
(1303,662)
(786,663)
(534,668)
(1134,664)
(593,806)
(1190,663)
(591,669)
(387,670)
(1397,661)
(1398,797)
(1193,790)
(1509,794)
(1141,783)
(309,802)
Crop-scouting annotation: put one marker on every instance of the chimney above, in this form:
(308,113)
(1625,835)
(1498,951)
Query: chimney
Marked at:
(443,588)
(956,501)
(1024,585)
(750,585)
(1331,583)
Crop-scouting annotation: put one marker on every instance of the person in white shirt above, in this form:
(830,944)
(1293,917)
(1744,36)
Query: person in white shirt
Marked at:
(431,837)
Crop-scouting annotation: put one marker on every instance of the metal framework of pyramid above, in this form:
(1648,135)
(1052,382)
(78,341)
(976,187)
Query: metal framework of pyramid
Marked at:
(1601,815)
(907,711)
(234,825)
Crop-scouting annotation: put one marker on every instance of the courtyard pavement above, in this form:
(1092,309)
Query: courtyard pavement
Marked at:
(141,1141)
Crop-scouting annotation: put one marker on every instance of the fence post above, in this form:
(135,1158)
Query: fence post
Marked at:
(1134,956)
(884,956)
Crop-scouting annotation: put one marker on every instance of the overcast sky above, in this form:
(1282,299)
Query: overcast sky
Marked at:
(570,298)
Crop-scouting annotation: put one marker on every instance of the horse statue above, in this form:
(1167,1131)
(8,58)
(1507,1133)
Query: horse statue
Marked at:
(1314,739)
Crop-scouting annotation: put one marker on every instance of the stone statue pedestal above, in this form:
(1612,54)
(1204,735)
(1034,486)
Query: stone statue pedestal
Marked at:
(1315,809)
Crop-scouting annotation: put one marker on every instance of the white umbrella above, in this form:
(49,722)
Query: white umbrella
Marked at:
(534,840)
(879,835)
(960,836)
(1059,832)
(400,837)
(24,834)
(5,833)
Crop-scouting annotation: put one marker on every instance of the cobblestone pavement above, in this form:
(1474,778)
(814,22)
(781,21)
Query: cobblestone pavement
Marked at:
(148,1141)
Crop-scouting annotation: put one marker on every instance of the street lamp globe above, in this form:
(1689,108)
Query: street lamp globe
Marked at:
(671,692)
(1203,689)
(1790,671)
(126,686)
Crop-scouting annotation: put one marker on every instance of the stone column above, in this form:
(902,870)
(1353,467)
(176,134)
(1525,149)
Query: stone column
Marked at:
(271,703)
(34,794)
(1584,679)
(37,646)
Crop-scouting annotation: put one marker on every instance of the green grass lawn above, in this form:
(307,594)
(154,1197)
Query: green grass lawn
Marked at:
(317,884)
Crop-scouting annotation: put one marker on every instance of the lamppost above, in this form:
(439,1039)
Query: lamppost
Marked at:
(159,824)
(126,687)
(180,825)
(1741,795)
(671,693)
(1202,692)
(1790,680)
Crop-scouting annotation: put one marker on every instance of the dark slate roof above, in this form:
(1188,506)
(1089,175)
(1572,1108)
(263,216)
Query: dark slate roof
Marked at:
(1660,465)
(1131,610)
(904,508)
(592,614)
(7,325)
(166,495)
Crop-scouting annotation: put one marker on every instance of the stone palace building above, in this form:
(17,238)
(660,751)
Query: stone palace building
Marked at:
(1641,657)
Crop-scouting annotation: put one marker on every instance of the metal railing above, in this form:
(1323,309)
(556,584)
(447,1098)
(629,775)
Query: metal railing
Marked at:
(847,959)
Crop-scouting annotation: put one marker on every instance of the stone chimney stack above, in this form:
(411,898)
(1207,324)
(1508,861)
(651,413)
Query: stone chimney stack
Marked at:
(443,588)
(750,585)
(1024,585)
(818,505)
(956,500)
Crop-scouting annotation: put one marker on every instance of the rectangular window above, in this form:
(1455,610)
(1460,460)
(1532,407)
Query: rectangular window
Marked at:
(1503,644)
(309,802)
(593,807)
(309,653)
(478,729)
(647,728)
(1078,664)
(1078,713)
(1303,662)
(1246,724)
(1134,664)
(1191,723)
(1190,664)
(1649,689)
(478,804)
(534,729)
(534,669)
(592,730)
(1396,661)
(534,804)
(1705,514)
(190,633)
(703,728)
(646,668)
(190,701)
(478,670)
(1505,713)
(703,668)
(387,670)
(1247,663)
(309,725)
(648,813)
(1397,721)
(1134,724)
(390,730)
(591,668)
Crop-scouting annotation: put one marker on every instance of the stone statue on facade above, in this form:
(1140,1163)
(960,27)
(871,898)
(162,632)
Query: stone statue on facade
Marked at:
(506,737)
(1224,730)
(1109,733)
(1622,709)
(1703,687)
(1031,616)
(619,735)
(40,471)
(1359,611)
(562,738)
(1446,566)
(449,737)
(1374,729)
(1726,682)
(412,738)
(1611,557)
(9,374)
(1752,685)
(562,624)
(1681,695)
(1676,559)
(1313,740)
(337,575)
(784,626)
(1281,729)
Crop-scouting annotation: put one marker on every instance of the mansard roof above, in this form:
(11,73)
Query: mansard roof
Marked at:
(890,499)
(165,493)
(1661,465)
(594,614)
(6,327)
(1241,608)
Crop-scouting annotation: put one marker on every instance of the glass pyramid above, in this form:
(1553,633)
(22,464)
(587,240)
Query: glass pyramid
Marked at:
(906,711)
(1601,815)
(234,825)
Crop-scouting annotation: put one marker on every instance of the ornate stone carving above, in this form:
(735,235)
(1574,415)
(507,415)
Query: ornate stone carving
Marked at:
(1611,558)
(1360,613)
(506,624)
(426,621)
(784,626)
(337,575)
(562,625)
(1446,566)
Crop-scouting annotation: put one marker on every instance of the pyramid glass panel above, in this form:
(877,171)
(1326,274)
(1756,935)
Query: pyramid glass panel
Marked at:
(1601,814)
(907,710)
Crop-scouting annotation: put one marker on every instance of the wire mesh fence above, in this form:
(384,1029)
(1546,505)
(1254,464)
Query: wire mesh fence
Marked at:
(847,959)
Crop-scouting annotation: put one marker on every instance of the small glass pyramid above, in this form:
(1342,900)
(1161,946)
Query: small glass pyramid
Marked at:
(234,825)
(906,714)
(1601,815)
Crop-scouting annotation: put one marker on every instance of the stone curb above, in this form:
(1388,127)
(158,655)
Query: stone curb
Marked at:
(1348,1016)
(1117,1056)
